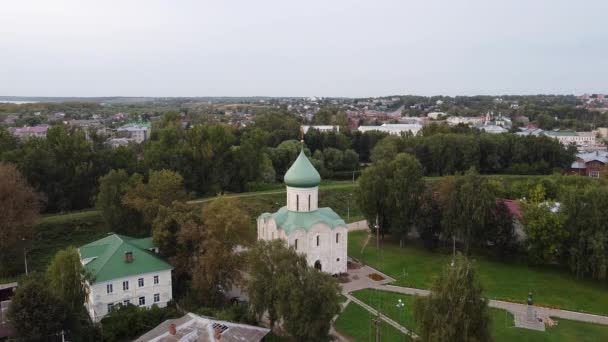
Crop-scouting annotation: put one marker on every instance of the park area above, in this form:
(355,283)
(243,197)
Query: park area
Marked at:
(356,323)
(414,266)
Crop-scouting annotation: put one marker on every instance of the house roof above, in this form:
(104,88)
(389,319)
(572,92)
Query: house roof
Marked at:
(289,221)
(302,174)
(193,327)
(105,258)
(601,156)
(513,206)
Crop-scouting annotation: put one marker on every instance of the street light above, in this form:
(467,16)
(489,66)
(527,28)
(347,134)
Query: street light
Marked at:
(401,306)
(24,256)
(348,207)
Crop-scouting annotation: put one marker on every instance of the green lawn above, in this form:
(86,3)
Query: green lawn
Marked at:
(502,321)
(356,323)
(414,266)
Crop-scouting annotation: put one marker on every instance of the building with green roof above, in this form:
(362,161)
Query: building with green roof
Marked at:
(319,233)
(124,270)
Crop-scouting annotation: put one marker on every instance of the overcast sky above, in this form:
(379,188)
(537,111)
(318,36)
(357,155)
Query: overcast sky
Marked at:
(302,48)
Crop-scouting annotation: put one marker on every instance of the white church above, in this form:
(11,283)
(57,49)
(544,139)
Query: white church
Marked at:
(318,233)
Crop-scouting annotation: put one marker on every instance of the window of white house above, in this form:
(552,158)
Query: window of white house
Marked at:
(142,300)
(140,282)
(298,202)
(156,297)
(155,280)
(308,202)
(296,244)
(125,285)
(109,288)
(126,302)
(337,237)
(110,307)
(318,240)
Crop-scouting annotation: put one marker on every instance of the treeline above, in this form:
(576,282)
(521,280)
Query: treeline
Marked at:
(212,157)
(442,151)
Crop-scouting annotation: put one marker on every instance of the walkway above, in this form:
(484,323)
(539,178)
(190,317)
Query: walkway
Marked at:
(514,308)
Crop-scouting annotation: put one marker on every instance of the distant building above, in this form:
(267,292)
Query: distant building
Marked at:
(321,128)
(589,164)
(193,327)
(576,138)
(393,129)
(138,132)
(125,271)
(436,115)
(29,132)
(492,129)
(467,120)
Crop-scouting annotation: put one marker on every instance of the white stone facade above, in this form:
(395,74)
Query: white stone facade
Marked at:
(322,245)
(107,294)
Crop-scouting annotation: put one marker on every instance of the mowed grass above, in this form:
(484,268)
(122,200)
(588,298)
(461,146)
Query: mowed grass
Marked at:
(413,266)
(356,324)
(502,326)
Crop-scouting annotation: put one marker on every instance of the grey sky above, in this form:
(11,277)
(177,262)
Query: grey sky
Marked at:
(302,48)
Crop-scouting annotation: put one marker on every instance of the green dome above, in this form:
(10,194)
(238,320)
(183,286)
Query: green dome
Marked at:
(302,174)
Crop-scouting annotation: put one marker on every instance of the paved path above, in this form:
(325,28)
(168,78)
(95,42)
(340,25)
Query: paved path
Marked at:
(514,308)
(383,317)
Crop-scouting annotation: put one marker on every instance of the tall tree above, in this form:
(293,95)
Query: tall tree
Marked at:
(66,279)
(544,227)
(37,314)
(282,284)
(405,190)
(371,194)
(456,310)
(163,188)
(112,188)
(217,262)
(19,209)
(468,208)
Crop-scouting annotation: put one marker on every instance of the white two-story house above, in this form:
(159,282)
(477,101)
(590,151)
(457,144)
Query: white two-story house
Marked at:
(124,271)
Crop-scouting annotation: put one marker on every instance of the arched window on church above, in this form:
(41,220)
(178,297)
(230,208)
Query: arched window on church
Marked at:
(297,202)
(296,244)
(308,202)
(337,237)
(318,240)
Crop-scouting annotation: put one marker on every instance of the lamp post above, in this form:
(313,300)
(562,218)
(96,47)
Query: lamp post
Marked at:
(401,306)
(25,256)
(348,207)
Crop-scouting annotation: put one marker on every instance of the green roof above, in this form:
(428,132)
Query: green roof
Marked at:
(560,133)
(290,221)
(302,174)
(105,258)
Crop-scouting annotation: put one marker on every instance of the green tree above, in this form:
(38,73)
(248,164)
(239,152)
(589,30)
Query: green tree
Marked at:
(19,210)
(66,279)
(456,310)
(428,220)
(163,188)
(587,247)
(468,209)
(282,284)
(405,189)
(373,185)
(217,265)
(36,313)
(267,262)
(545,231)
(120,218)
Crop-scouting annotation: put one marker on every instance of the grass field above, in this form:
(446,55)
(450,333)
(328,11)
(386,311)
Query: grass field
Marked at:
(502,321)
(414,266)
(356,323)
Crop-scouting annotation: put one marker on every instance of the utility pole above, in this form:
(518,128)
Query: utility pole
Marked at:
(377,233)
(25,260)
(377,323)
